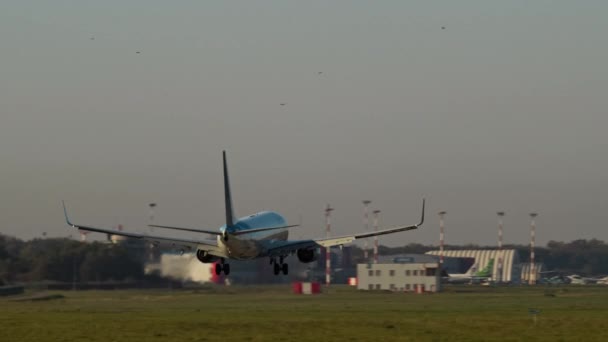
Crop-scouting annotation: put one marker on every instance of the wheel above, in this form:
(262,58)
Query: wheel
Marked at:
(218,269)
(226,269)
(277,269)
(285,269)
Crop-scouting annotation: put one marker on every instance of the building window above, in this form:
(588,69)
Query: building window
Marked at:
(392,287)
(391,273)
(408,273)
(370,273)
(371,286)
(415,272)
(407,287)
(377,286)
(430,272)
(377,273)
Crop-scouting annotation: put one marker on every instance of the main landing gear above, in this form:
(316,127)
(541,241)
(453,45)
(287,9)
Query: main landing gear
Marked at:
(222,267)
(280,266)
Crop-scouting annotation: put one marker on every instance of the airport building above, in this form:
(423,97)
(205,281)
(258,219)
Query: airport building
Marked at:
(506,265)
(535,273)
(409,272)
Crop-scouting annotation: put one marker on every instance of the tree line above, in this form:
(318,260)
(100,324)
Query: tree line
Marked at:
(65,260)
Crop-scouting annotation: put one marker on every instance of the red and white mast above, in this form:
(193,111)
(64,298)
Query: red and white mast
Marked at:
(500,214)
(441,235)
(328,211)
(532,242)
(376,212)
(366,229)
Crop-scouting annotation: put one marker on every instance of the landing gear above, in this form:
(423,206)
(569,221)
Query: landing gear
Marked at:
(279,267)
(219,267)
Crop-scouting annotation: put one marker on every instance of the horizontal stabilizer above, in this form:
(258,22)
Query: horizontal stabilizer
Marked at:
(217,232)
(212,232)
(255,230)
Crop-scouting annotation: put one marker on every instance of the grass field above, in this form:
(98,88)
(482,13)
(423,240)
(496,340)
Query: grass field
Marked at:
(340,314)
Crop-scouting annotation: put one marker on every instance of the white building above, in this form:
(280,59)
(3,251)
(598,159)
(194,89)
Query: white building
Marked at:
(406,274)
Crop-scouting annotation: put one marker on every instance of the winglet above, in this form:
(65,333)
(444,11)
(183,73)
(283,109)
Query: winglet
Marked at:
(422,217)
(65,212)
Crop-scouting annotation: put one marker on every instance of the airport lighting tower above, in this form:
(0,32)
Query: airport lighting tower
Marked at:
(376,212)
(500,214)
(532,280)
(151,216)
(328,211)
(366,227)
(150,247)
(441,235)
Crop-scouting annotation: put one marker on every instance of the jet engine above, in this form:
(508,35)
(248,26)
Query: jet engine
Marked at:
(306,255)
(205,257)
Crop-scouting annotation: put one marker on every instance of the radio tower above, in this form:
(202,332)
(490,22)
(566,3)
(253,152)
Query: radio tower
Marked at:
(532,280)
(376,212)
(366,227)
(441,235)
(500,214)
(328,211)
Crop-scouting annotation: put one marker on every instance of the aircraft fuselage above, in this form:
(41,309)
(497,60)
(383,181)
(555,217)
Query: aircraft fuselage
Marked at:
(253,245)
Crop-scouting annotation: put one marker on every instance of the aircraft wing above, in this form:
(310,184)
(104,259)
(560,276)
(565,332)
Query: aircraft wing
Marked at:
(287,247)
(185,244)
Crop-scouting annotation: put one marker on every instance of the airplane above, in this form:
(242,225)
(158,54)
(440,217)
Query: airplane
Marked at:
(579,280)
(260,235)
(472,276)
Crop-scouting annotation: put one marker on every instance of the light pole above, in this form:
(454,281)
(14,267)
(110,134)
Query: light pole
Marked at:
(151,215)
(366,228)
(441,235)
(328,211)
(376,212)
(532,280)
(500,214)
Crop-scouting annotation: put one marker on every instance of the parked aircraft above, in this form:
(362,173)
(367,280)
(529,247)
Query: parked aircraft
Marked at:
(472,276)
(261,235)
(577,279)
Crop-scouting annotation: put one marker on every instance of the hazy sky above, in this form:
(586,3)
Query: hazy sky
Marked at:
(112,105)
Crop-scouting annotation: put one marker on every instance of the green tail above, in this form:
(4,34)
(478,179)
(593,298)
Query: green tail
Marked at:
(486,271)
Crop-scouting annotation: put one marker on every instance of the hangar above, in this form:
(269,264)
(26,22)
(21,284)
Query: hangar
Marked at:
(463,261)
